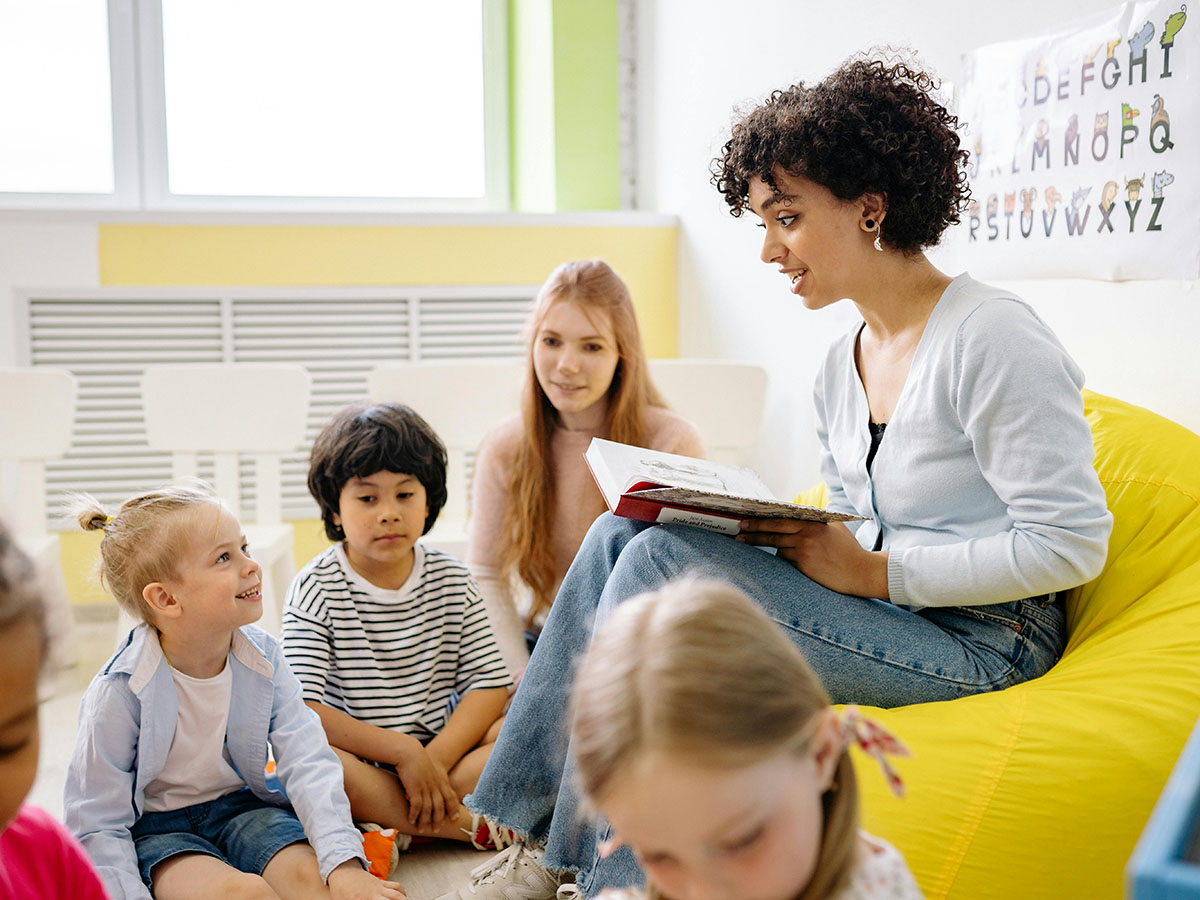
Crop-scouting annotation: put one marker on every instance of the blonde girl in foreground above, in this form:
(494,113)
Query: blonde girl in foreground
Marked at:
(166,789)
(704,738)
(533,498)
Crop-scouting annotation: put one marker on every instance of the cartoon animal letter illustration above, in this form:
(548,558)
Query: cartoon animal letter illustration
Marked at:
(1052,198)
(1112,47)
(1079,197)
(1027,197)
(1071,141)
(1128,113)
(1108,194)
(1010,203)
(1161,180)
(1133,186)
(1137,43)
(1158,113)
(1100,137)
(1173,24)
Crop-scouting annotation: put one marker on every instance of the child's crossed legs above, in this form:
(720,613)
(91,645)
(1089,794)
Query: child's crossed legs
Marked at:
(378,795)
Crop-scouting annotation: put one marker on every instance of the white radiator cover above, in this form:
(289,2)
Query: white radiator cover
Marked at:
(107,336)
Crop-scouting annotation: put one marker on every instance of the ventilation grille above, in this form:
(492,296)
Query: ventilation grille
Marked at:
(108,336)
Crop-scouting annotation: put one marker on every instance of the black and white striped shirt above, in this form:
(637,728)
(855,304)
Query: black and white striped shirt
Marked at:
(394,659)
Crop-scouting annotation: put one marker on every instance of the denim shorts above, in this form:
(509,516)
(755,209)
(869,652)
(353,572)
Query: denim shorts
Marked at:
(238,829)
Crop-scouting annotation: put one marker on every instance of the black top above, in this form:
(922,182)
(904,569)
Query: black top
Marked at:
(876,429)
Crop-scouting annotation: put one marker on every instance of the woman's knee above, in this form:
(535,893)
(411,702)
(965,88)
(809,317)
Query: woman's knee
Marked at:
(612,533)
(659,554)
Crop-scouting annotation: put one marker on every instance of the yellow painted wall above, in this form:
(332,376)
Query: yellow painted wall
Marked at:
(380,255)
(324,255)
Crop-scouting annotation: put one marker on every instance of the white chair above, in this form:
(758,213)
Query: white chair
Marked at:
(37,414)
(226,409)
(723,399)
(461,401)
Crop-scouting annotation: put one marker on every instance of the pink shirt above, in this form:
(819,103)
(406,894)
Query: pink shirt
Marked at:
(40,859)
(577,503)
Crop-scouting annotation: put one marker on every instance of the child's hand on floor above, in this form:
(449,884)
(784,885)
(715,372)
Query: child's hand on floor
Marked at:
(350,881)
(431,799)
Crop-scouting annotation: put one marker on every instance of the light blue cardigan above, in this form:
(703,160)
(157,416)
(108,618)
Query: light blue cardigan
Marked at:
(983,484)
(126,724)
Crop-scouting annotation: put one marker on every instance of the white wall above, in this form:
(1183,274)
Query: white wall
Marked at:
(37,254)
(698,59)
(41,254)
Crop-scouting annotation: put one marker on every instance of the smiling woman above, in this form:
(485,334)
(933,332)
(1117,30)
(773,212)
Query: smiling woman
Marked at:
(980,508)
(533,498)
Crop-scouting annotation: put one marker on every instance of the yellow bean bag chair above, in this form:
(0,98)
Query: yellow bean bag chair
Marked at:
(1041,790)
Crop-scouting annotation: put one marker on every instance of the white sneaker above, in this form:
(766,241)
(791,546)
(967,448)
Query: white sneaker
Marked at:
(516,873)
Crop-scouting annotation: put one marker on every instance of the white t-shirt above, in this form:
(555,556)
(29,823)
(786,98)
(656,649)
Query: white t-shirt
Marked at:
(197,769)
(394,659)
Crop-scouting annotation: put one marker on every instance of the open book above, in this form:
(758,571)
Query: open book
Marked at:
(664,487)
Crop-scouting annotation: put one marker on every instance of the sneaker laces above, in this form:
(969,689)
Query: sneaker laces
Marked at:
(486,835)
(501,864)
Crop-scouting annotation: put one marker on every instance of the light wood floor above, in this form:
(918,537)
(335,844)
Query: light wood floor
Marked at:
(426,872)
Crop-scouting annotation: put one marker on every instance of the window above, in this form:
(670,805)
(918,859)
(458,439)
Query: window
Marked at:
(253,104)
(56,103)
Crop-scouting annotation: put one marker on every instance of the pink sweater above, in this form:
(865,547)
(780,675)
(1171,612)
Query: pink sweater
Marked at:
(577,503)
(39,858)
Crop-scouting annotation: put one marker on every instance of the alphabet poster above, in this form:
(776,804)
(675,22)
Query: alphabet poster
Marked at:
(1085,149)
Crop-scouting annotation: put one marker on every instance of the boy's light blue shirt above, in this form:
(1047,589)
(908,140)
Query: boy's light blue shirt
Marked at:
(983,486)
(126,724)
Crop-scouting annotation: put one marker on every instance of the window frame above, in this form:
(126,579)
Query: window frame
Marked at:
(140,137)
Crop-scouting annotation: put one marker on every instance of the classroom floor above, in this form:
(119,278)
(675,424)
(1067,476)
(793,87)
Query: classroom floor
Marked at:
(426,872)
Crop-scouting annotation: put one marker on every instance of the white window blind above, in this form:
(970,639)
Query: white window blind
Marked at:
(107,336)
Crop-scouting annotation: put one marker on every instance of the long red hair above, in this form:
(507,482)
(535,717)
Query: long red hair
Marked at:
(525,537)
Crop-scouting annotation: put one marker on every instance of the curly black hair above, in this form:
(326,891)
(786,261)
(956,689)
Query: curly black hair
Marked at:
(361,440)
(871,126)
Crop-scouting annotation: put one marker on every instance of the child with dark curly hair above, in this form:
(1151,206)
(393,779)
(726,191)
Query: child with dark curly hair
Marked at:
(950,419)
(390,639)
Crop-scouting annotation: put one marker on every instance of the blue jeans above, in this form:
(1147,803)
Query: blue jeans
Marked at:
(865,651)
(238,829)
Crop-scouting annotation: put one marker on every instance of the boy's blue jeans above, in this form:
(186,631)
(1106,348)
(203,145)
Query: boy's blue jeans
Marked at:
(865,651)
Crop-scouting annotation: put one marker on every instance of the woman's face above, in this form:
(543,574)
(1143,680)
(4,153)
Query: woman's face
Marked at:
(706,832)
(20,665)
(813,237)
(574,358)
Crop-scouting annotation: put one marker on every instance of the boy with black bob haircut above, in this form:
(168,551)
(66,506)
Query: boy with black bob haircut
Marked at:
(390,639)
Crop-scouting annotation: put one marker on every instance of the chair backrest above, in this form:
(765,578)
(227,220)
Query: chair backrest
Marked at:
(723,399)
(461,401)
(226,409)
(37,414)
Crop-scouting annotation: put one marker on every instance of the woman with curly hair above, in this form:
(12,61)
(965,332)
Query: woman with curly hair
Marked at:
(950,420)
